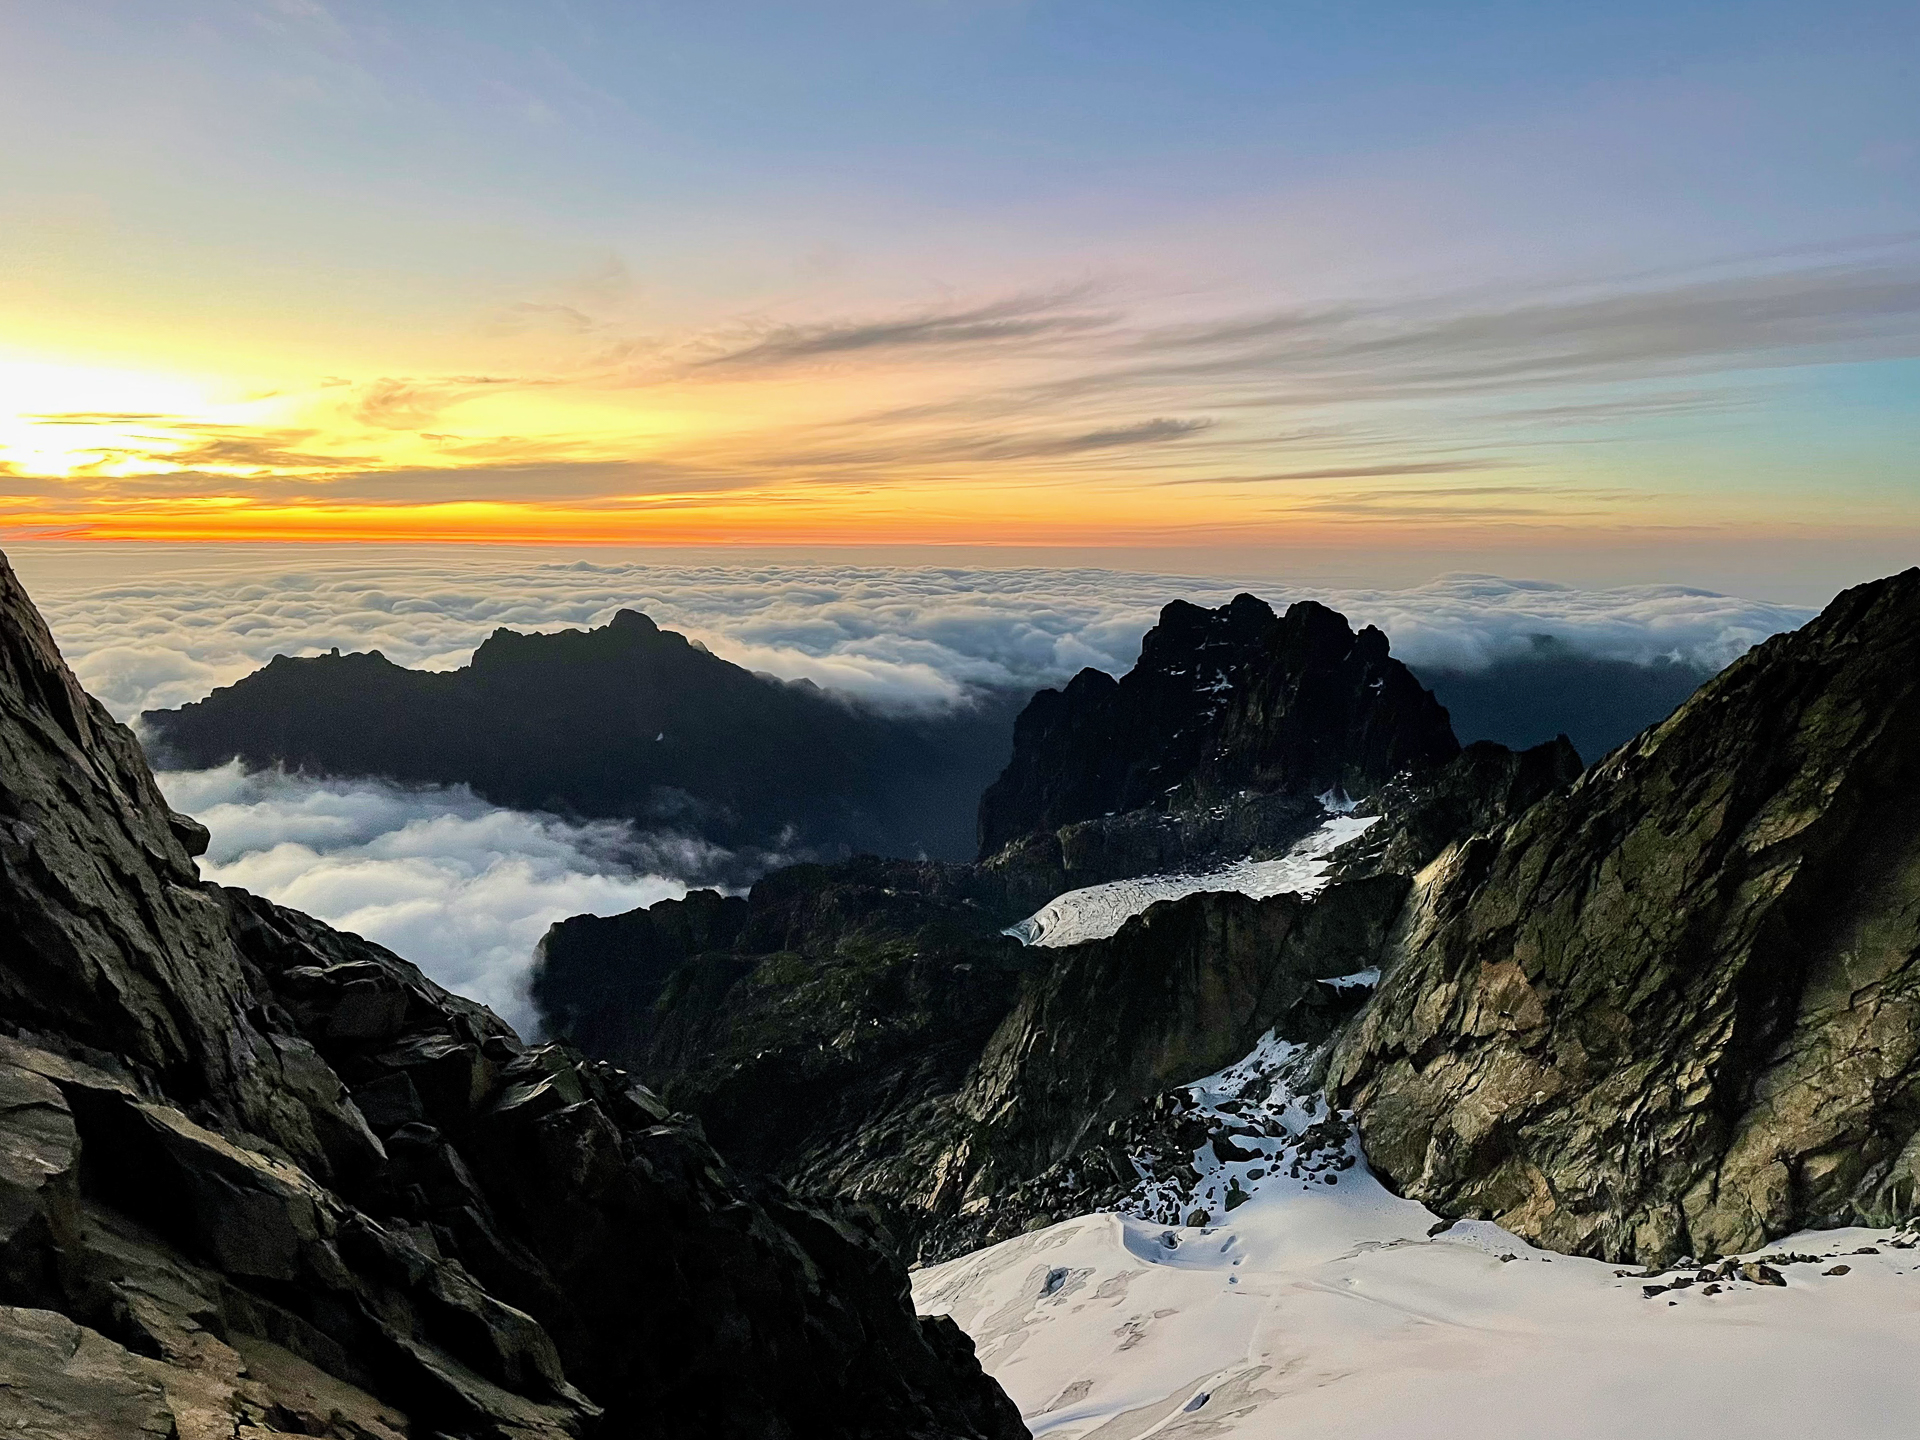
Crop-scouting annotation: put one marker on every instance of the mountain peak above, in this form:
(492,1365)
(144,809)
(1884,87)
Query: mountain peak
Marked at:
(1221,701)
(632,622)
(1703,958)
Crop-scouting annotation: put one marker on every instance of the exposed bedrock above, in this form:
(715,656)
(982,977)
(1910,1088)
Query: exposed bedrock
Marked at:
(1039,1132)
(872,1035)
(1675,1007)
(260,1177)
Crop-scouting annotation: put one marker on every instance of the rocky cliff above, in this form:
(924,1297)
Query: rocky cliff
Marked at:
(871,1034)
(866,1029)
(1221,702)
(260,1177)
(627,721)
(1675,1007)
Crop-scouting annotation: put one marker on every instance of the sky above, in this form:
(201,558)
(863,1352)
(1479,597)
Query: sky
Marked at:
(1610,294)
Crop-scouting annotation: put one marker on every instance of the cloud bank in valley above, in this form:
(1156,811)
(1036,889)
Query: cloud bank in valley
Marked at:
(465,889)
(462,888)
(896,636)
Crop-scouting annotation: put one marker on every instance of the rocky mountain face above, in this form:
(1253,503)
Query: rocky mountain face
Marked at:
(628,721)
(258,1177)
(1674,1008)
(1221,702)
(1667,1005)
(866,1029)
(851,1001)
(870,1034)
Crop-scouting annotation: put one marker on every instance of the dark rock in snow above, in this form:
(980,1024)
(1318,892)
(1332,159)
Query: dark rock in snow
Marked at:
(202,1228)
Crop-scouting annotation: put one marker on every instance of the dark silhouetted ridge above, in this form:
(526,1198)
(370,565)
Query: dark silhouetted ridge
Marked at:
(627,721)
(1221,701)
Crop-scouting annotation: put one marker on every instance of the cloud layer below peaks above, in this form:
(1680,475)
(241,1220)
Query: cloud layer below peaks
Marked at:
(900,637)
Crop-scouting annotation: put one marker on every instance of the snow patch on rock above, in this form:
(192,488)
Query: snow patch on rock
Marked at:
(1098,911)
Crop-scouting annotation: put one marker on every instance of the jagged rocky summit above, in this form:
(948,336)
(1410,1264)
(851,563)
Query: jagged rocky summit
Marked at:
(1223,705)
(258,1177)
(868,1029)
(625,721)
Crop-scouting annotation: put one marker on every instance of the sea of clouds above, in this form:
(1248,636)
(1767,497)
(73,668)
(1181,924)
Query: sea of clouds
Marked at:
(895,636)
(465,889)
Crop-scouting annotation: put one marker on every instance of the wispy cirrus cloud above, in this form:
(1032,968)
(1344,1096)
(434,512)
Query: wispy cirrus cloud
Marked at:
(1455,346)
(1350,472)
(997,324)
(391,403)
(1052,388)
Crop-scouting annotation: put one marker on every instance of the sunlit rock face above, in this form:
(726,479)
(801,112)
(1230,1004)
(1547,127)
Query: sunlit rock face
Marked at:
(1675,1007)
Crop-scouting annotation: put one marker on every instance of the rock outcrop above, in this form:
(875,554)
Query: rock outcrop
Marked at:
(1480,789)
(1221,702)
(260,1177)
(867,1029)
(627,721)
(817,1045)
(871,1034)
(1044,1127)
(1675,1008)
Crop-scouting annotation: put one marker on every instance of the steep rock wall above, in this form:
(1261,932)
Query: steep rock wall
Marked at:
(1675,1008)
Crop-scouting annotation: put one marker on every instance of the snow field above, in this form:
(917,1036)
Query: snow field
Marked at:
(1340,1310)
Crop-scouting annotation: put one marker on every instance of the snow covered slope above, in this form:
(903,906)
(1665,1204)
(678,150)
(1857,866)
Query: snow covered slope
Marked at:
(1100,910)
(1322,1305)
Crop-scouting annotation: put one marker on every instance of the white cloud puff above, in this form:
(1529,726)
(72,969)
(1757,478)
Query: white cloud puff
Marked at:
(462,888)
(1468,622)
